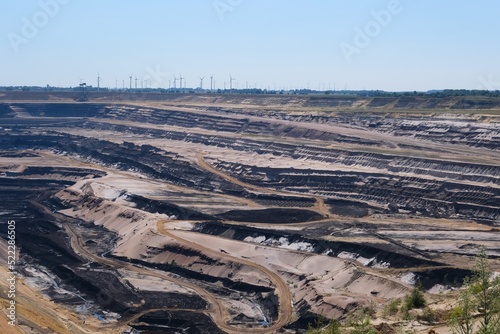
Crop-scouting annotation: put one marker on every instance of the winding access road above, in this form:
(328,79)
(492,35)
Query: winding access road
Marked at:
(285,309)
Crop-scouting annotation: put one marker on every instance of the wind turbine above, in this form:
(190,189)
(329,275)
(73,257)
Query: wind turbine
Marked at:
(180,80)
(212,82)
(98,81)
(231,82)
(136,82)
(201,82)
(130,77)
(175,82)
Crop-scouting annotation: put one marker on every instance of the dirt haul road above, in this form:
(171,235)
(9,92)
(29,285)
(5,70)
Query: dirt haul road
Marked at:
(285,308)
(218,312)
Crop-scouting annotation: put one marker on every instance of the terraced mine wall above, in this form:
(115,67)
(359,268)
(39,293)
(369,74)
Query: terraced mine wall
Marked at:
(474,131)
(446,195)
(428,197)
(46,246)
(379,255)
(144,159)
(412,194)
(379,178)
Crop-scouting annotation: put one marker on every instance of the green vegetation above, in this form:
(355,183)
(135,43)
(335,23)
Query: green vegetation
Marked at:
(406,331)
(392,307)
(479,303)
(406,314)
(477,311)
(428,315)
(359,322)
(363,326)
(416,298)
(321,326)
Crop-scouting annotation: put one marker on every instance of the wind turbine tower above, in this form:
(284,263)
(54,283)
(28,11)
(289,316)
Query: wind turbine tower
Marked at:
(180,80)
(98,81)
(136,83)
(231,82)
(130,77)
(201,82)
(212,82)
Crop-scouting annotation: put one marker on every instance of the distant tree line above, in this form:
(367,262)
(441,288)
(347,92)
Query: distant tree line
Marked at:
(257,91)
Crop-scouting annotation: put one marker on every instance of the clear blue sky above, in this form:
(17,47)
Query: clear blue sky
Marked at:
(423,44)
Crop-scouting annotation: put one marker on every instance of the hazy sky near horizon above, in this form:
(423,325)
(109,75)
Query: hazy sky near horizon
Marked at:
(390,45)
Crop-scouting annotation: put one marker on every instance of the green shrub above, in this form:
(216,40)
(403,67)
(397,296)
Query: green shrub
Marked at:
(320,326)
(405,313)
(428,315)
(363,326)
(392,307)
(416,298)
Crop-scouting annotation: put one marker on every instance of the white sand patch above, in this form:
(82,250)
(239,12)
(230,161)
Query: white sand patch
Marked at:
(409,278)
(439,289)
(41,279)
(151,283)
(363,260)
(256,240)
(347,255)
(180,225)
(105,191)
(380,265)
(281,243)
(320,264)
(246,307)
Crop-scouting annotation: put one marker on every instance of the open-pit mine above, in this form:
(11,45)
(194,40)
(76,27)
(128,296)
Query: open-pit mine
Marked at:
(206,213)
